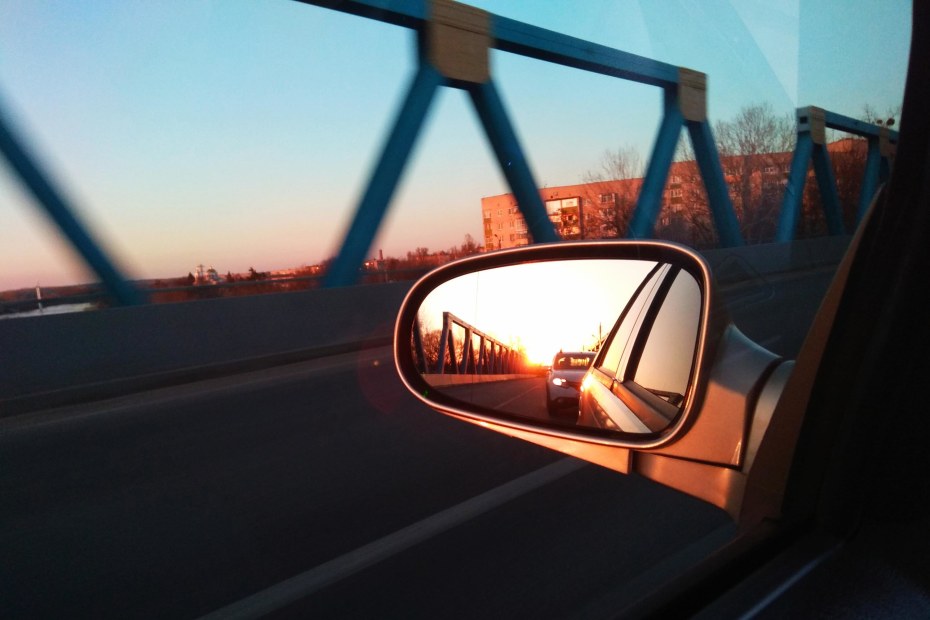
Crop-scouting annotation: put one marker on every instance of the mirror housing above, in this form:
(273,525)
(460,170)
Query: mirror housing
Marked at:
(708,446)
(650,418)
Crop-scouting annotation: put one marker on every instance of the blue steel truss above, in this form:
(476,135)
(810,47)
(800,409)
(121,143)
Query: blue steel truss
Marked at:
(57,207)
(519,38)
(812,145)
(684,107)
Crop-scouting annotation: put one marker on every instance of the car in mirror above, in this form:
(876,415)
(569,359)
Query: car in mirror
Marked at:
(598,340)
(563,382)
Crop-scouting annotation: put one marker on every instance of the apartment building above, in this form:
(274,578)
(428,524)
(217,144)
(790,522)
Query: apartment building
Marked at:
(602,209)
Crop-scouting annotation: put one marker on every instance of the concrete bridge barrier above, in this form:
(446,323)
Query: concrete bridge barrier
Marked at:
(772,290)
(56,359)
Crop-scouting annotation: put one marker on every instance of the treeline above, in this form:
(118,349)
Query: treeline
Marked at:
(211,285)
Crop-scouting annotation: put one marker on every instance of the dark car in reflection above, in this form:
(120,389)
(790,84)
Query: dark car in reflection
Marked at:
(563,382)
(638,382)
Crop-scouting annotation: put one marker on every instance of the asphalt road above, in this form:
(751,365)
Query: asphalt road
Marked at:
(320,489)
(523,397)
(776,311)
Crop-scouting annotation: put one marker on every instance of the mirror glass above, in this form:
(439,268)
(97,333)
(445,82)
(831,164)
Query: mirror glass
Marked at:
(593,342)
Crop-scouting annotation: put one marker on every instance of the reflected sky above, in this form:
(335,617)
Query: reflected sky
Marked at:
(540,307)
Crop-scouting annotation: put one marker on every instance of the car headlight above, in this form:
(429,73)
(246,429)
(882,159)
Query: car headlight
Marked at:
(559,381)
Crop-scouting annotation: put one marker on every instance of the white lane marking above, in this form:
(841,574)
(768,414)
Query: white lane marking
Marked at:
(315,579)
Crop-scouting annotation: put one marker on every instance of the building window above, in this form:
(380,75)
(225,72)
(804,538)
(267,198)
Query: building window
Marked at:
(675,193)
(487,215)
(512,237)
(500,226)
(770,170)
(676,178)
(500,212)
(606,198)
(511,223)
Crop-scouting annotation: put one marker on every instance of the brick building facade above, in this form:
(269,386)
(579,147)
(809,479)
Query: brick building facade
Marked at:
(601,210)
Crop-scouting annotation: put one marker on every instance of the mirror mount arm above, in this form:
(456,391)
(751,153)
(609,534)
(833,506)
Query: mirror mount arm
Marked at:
(712,459)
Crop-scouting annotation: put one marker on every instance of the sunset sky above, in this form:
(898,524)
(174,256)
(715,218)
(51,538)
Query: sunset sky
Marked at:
(541,308)
(236,133)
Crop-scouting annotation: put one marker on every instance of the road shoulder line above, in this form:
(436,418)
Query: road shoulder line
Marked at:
(315,579)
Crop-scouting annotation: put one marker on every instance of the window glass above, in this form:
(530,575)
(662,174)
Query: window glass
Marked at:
(665,365)
(618,344)
(572,361)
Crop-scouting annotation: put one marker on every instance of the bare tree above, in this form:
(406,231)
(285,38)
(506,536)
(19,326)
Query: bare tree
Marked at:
(469,246)
(611,194)
(755,149)
(430,342)
(888,119)
(848,158)
(691,223)
(624,163)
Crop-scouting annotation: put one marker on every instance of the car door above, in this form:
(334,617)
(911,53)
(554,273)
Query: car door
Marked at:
(630,386)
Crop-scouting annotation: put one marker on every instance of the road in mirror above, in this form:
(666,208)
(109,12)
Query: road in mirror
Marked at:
(529,340)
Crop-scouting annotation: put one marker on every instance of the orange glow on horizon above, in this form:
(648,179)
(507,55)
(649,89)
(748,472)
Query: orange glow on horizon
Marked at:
(539,308)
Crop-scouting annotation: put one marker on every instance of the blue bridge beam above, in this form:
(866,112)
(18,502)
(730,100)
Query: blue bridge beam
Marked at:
(62,213)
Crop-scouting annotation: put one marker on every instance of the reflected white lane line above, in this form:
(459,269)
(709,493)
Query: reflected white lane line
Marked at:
(305,584)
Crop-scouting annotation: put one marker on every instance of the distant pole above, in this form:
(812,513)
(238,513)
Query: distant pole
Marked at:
(39,296)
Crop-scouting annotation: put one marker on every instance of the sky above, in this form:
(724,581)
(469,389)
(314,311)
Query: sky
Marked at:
(542,307)
(239,134)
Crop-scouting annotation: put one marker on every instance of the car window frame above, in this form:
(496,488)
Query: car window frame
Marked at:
(640,296)
(656,413)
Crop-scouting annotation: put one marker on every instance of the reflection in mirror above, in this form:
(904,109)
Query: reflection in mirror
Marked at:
(597,343)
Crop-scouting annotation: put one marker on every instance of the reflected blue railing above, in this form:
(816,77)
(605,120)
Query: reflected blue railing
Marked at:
(493,357)
(454,43)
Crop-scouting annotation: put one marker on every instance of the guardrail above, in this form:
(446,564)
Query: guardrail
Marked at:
(454,43)
(493,357)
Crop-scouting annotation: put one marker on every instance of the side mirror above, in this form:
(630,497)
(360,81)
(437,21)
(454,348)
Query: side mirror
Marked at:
(601,342)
